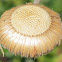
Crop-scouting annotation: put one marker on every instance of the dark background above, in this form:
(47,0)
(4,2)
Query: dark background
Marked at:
(55,55)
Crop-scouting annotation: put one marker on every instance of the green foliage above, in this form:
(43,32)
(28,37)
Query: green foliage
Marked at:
(55,55)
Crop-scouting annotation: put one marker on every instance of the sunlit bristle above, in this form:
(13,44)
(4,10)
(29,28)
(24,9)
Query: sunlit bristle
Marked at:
(30,30)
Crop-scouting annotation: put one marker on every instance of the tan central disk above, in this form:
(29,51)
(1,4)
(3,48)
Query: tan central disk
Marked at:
(30,20)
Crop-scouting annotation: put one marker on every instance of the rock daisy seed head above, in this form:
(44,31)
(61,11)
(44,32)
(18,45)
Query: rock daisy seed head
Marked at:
(30,30)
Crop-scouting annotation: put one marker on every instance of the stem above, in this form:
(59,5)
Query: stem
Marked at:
(37,1)
(2,50)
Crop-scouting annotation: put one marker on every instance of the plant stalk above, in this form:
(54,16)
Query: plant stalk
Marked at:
(2,50)
(37,1)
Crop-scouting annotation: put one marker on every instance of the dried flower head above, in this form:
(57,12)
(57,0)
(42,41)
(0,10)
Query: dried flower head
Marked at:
(31,30)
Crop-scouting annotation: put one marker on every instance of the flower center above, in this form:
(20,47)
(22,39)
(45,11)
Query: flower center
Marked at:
(30,20)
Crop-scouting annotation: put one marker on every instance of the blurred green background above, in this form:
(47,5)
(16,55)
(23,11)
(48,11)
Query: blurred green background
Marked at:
(55,55)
